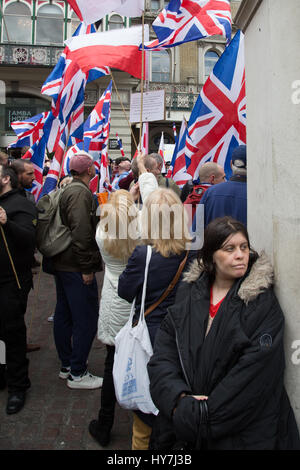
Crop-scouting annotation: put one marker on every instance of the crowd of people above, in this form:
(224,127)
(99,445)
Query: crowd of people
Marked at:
(215,325)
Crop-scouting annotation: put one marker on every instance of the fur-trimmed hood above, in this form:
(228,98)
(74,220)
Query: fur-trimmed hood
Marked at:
(260,277)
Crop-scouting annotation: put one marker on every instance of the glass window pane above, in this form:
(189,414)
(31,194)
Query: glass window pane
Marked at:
(115,22)
(50,25)
(160,66)
(18,23)
(210,59)
(155,5)
(75,22)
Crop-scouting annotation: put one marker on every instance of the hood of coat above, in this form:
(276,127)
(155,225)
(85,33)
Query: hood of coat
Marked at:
(260,278)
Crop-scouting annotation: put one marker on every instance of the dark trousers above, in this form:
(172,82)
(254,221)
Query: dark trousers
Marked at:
(13,304)
(108,397)
(75,320)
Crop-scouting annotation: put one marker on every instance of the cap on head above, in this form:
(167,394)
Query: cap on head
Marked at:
(80,162)
(239,157)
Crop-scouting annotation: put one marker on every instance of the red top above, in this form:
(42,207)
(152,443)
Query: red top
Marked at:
(213,309)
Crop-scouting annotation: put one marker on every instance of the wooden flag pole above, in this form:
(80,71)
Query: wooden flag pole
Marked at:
(142,79)
(10,257)
(65,151)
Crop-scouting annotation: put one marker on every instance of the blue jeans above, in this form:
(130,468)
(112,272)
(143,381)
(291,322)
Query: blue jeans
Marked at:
(75,319)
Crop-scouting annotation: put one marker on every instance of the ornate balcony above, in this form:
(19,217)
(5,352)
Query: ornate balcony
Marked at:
(178,96)
(27,54)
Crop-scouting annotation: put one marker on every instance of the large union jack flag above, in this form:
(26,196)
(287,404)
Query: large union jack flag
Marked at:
(178,163)
(95,136)
(218,120)
(30,130)
(189,20)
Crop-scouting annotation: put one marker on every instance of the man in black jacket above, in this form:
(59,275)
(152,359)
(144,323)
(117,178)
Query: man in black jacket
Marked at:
(17,242)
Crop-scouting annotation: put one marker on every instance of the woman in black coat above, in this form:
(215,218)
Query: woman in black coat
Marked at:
(167,255)
(216,374)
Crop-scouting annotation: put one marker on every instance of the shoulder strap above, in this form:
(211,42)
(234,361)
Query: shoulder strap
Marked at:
(170,286)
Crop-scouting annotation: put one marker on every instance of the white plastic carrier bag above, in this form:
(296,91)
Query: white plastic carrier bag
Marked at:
(132,354)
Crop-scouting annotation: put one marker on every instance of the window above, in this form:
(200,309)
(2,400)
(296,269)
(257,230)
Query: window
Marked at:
(17,17)
(50,25)
(115,22)
(75,22)
(210,59)
(160,66)
(155,5)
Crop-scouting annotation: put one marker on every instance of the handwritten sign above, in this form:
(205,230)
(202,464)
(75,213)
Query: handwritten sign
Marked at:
(154,108)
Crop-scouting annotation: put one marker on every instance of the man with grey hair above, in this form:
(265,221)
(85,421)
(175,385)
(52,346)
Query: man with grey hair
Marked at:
(229,198)
(154,164)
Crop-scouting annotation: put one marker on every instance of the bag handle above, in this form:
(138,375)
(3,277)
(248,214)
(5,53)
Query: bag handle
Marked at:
(148,258)
(170,286)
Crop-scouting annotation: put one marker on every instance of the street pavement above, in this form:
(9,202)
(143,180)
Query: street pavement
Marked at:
(55,417)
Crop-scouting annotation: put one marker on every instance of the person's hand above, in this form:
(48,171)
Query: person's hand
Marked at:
(200,397)
(135,191)
(3,216)
(141,162)
(87,278)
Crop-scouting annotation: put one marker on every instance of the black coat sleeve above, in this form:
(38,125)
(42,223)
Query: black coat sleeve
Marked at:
(132,278)
(167,381)
(21,225)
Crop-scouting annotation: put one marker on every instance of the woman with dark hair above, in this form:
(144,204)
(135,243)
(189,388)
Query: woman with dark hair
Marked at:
(216,374)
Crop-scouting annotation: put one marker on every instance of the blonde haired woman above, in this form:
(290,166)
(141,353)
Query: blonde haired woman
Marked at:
(165,229)
(118,217)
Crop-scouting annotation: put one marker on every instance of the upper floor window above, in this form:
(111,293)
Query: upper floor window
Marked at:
(17,23)
(75,22)
(50,25)
(115,22)
(210,59)
(160,66)
(155,5)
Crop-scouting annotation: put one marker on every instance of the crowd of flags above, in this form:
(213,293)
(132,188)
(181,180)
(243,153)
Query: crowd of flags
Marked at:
(218,120)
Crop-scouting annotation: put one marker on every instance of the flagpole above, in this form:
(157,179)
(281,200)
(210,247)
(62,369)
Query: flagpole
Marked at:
(65,150)
(142,79)
(123,109)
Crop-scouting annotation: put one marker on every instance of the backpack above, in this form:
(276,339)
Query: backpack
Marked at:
(195,196)
(52,236)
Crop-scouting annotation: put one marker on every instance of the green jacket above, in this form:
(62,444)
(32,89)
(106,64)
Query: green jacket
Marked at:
(78,212)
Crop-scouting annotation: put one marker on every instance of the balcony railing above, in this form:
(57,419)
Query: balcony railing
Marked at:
(27,54)
(179,96)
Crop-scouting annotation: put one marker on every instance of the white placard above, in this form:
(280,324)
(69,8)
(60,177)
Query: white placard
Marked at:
(153,106)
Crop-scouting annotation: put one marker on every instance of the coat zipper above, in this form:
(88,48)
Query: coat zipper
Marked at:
(180,358)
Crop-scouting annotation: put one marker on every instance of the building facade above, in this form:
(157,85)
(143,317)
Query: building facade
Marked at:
(273,142)
(32,34)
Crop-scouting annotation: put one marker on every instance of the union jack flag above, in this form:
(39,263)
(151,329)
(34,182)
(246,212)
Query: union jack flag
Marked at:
(120,145)
(36,154)
(95,136)
(178,163)
(30,130)
(189,20)
(218,121)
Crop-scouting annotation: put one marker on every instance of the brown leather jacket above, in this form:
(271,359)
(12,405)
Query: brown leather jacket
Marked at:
(78,212)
